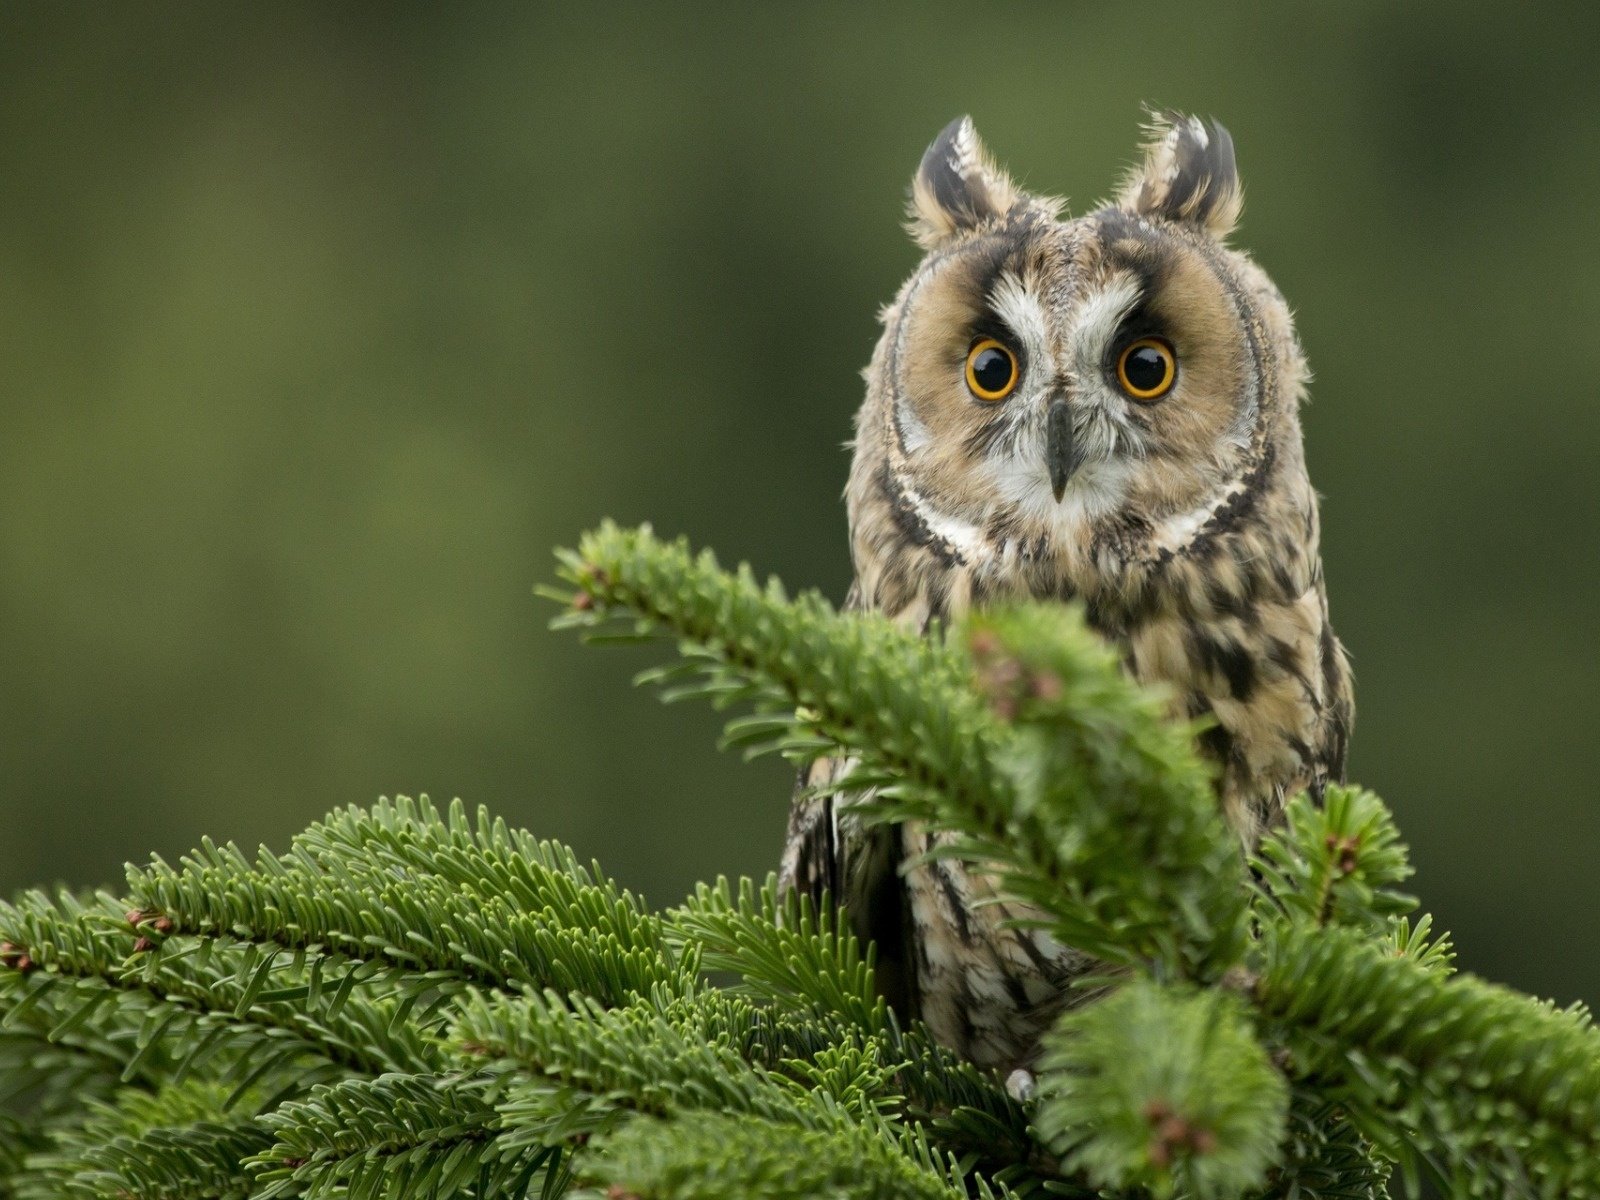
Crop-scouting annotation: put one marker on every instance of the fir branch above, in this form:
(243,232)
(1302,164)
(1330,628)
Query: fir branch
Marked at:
(866,685)
(1324,1155)
(785,954)
(41,1078)
(1119,786)
(181,1003)
(714,1156)
(1417,943)
(805,956)
(414,1003)
(1500,1093)
(480,854)
(1124,785)
(167,1145)
(1338,863)
(355,890)
(570,1071)
(394,1136)
(1163,1089)
(17,1140)
(963,1110)
(575,1054)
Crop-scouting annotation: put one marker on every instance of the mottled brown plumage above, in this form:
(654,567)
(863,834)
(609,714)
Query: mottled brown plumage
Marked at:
(1182,520)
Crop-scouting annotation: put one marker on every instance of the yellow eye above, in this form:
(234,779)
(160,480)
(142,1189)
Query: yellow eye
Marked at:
(1147,369)
(991,370)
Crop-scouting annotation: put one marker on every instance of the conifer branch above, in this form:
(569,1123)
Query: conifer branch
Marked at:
(1337,864)
(171,1144)
(634,1059)
(1501,1093)
(1027,745)
(1163,1089)
(711,1156)
(534,919)
(393,1135)
(807,958)
(90,968)
(1327,886)
(409,1003)
(791,956)
(1324,1155)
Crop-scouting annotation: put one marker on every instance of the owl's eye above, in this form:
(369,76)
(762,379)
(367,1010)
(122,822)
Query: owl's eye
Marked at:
(1147,369)
(991,370)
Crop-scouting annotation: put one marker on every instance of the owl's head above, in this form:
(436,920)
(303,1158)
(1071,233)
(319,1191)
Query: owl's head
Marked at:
(1061,398)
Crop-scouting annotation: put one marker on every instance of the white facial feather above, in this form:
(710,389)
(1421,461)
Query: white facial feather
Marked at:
(1020,475)
(912,428)
(962,536)
(1102,424)
(913,431)
(1099,318)
(1018,472)
(1021,311)
(1022,481)
(1111,443)
(1178,530)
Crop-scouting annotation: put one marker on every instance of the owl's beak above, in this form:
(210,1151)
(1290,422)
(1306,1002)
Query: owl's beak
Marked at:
(1060,454)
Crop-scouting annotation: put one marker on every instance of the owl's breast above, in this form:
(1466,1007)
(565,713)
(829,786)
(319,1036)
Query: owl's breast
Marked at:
(1233,623)
(1271,681)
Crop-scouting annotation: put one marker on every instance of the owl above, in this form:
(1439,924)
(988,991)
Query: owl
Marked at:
(1100,410)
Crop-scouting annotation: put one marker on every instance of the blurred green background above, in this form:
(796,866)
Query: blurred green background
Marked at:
(322,325)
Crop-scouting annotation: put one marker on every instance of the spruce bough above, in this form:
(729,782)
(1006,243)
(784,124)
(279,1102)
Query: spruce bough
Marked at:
(414,1002)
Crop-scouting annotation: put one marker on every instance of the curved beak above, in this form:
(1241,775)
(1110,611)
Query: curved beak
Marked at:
(1060,453)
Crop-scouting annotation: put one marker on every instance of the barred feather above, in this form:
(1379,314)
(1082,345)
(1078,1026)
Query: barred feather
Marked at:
(1187,530)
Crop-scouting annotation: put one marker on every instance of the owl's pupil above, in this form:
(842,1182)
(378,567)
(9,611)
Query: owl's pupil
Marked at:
(1145,368)
(991,369)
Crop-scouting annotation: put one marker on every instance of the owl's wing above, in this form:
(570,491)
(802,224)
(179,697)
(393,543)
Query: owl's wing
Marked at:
(810,863)
(830,852)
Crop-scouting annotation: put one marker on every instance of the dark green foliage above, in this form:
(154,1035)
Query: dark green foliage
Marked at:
(174,1142)
(413,1003)
(1324,1155)
(1056,771)
(393,1135)
(708,1156)
(799,956)
(1165,1089)
(1489,1089)
(454,906)
(1337,864)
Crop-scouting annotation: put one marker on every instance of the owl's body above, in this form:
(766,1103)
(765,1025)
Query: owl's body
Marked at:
(1100,410)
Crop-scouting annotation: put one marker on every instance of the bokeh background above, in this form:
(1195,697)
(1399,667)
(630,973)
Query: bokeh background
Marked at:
(321,325)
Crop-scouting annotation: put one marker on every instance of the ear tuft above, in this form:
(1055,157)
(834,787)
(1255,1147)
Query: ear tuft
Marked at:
(957,187)
(1188,174)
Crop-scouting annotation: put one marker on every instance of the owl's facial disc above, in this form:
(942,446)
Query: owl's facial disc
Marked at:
(1052,374)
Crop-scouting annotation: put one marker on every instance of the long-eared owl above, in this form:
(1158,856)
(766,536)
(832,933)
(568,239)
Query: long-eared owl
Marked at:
(1104,410)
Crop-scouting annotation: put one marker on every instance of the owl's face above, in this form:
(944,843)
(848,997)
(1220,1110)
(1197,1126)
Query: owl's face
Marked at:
(1105,383)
